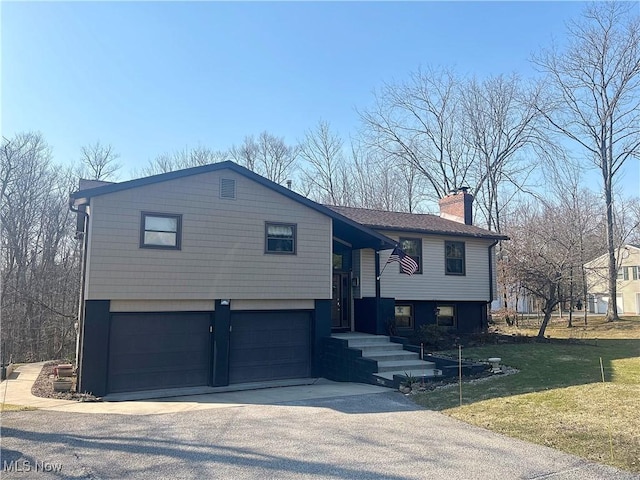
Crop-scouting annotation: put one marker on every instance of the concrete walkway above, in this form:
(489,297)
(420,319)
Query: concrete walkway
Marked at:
(17,391)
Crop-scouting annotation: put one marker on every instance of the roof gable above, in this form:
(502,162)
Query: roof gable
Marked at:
(603,259)
(345,224)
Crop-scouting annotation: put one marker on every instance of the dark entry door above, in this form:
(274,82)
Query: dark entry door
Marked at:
(341,301)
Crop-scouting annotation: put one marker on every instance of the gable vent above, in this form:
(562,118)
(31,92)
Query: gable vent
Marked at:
(227,188)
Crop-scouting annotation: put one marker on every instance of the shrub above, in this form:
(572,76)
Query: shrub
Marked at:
(436,337)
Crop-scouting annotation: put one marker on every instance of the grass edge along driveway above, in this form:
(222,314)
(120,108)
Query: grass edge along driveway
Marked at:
(558,398)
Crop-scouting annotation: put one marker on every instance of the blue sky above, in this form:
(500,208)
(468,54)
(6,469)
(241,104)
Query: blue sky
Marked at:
(153,77)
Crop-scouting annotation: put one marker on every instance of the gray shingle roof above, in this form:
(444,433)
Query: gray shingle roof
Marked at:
(413,222)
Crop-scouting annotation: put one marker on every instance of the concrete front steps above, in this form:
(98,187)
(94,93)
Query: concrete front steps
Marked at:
(391,358)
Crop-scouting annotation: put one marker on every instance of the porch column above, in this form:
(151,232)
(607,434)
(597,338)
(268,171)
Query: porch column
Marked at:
(377,262)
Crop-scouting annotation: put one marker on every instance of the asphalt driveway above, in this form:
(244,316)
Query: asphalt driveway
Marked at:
(372,436)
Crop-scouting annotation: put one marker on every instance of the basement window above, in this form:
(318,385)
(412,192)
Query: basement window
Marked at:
(404,316)
(161,230)
(446,315)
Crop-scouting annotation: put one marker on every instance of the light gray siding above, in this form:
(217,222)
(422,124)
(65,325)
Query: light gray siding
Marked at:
(222,253)
(494,280)
(433,284)
(368,272)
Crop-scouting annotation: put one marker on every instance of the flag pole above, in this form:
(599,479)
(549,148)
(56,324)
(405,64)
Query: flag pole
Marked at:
(385,265)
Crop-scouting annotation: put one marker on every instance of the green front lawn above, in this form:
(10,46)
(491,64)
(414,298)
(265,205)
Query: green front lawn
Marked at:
(558,398)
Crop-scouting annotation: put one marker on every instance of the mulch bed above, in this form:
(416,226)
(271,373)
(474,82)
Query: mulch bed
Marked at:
(450,382)
(43,386)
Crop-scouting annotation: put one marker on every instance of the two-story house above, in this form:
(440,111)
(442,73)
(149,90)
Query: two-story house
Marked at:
(214,275)
(627,285)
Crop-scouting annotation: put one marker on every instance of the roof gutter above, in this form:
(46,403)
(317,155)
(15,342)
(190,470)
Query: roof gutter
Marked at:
(80,235)
(440,233)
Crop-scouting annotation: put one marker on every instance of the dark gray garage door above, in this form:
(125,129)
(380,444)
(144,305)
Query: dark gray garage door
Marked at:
(269,346)
(158,350)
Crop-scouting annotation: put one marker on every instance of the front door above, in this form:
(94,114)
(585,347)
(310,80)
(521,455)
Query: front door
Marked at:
(341,302)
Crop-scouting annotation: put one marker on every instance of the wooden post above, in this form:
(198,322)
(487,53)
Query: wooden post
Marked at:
(460,370)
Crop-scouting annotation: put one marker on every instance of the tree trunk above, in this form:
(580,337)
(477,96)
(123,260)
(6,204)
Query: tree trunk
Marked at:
(550,302)
(545,322)
(570,325)
(612,306)
(585,289)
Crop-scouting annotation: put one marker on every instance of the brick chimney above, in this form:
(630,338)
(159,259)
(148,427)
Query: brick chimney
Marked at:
(457,206)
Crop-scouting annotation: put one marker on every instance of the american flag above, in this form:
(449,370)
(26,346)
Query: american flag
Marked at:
(408,265)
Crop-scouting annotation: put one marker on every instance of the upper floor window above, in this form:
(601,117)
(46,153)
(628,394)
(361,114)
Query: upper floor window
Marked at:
(161,230)
(454,258)
(629,273)
(280,238)
(413,248)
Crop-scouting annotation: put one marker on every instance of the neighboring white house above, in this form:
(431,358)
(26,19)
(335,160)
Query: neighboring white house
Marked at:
(628,284)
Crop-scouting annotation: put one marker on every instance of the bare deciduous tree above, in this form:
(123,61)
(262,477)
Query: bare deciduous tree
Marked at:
(457,132)
(325,173)
(419,123)
(383,184)
(268,156)
(360,178)
(39,259)
(541,258)
(595,82)
(626,221)
(185,158)
(504,129)
(99,162)
(584,228)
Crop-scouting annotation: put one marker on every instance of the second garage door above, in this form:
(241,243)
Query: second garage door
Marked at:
(269,346)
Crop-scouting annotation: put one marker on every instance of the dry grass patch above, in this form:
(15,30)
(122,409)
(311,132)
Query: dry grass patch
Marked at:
(10,407)
(596,328)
